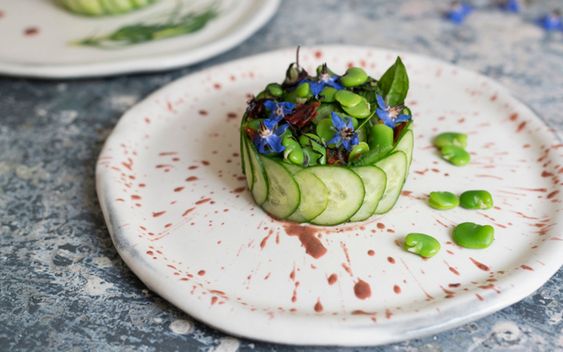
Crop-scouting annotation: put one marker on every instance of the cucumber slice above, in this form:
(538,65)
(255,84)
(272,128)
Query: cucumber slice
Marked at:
(246,165)
(406,145)
(283,192)
(292,168)
(314,196)
(395,167)
(374,180)
(345,194)
(259,178)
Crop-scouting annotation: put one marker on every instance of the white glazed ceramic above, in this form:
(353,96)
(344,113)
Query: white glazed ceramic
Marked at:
(174,198)
(39,33)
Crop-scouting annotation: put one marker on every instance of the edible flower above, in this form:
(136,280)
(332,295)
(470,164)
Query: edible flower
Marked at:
(458,11)
(344,132)
(511,5)
(390,115)
(325,78)
(279,110)
(268,138)
(552,21)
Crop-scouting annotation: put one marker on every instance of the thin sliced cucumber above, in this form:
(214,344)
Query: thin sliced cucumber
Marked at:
(374,180)
(395,167)
(283,192)
(314,196)
(260,181)
(292,168)
(345,194)
(406,145)
(245,161)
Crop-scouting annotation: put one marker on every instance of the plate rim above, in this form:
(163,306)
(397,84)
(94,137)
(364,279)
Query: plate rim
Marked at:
(266,10)
(338,335)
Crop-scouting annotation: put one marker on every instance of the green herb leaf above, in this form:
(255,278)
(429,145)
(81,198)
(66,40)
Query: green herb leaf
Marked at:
(395,84)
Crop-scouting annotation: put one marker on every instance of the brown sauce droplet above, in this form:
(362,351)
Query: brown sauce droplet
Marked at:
(307,237)
(362,289)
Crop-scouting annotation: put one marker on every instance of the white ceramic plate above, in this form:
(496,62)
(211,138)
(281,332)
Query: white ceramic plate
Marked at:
(39,35)
(171,189)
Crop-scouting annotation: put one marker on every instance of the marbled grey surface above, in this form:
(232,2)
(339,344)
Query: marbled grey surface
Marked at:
(62,284)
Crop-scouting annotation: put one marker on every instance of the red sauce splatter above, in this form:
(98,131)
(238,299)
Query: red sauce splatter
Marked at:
(388,314)
(318,54)
(371,252)
(1,14)
(188,211)
(480,265)
(217,86)
(265,239)
(192,178)
(205,162)
(525,267)
(397,289)
(201,272)
(232,115)
(156,214)
(380,225)
(453,270)
(493,97)
(391,260)
(362,289)
(178,189)
(513,117)
(150,253)
(521,126)
(552,194)
(479,297)
(239,190)
(203,112)
(332,279)
(135,196)
(546,174)
(193,167)
(31,31)
(318,306)
(202,201)
(307,237)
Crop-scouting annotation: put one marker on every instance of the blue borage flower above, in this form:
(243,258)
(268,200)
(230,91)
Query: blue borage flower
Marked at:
(458,11)
(552,21)
(390,115)
(511,5)
(279,110)
(268,138)
(324,79)
(344,132)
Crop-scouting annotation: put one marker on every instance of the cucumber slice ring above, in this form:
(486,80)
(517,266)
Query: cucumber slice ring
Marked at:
(395,167)
(314,196)
(260,187)
(374,180)
(345,194)
(284,195)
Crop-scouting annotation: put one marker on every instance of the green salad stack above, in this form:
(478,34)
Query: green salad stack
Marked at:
(327,148)
(103,7)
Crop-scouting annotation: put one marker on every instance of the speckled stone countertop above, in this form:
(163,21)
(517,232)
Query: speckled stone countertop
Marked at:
(62,284)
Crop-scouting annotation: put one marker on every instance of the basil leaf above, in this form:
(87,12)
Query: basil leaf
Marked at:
(395,84)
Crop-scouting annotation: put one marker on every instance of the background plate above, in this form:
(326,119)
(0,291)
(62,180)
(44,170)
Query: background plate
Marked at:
(171,189)
(39,34)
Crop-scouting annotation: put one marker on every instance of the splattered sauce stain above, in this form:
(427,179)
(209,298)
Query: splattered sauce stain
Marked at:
(307,237)
(362,289)
(31,31)
(397,289)
(318,306)
(332,279)
(480,265)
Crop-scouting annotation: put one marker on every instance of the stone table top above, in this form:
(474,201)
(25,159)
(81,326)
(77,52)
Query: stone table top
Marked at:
(62,284)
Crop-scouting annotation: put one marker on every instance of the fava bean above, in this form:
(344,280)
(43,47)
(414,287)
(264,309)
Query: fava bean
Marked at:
(443,200)
(325,130)
(327,94)
(353,77)
(424,245)
(455,155)
(347,98)
(275,89)
(476,199)
(293,151)
(450,138)
(358,150)
(302,90)
(360,110)
(475,236)
(380,135)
